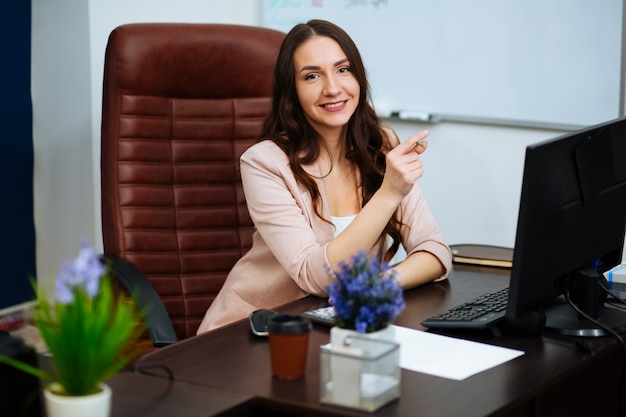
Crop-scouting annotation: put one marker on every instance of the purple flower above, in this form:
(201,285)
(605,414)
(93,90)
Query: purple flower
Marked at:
(366,295)
(84,272)
(63,293)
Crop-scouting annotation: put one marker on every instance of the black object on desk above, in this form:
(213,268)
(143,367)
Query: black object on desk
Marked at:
(258,321)
(484,312)
(19,391)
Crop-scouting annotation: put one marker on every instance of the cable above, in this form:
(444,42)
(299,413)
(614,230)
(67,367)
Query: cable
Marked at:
(619,306)
(619,339)
(141,369)
(612,295)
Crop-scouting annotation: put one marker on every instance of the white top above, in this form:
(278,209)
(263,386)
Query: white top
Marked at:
(341,223)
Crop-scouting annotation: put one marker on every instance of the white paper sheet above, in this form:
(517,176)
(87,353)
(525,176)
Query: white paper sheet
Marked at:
(448,357)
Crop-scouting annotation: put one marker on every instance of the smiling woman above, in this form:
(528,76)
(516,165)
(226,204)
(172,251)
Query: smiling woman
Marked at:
(324,155)
(327,90)
(329,94)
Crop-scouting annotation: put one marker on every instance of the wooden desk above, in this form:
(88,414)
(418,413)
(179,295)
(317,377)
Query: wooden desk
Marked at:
(138,395)
(553,377)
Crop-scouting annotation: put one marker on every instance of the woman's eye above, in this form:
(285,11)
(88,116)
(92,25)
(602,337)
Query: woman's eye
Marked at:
(311,76)
(344,69)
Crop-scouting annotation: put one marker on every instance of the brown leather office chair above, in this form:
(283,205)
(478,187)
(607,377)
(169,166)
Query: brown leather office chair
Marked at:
(181,102)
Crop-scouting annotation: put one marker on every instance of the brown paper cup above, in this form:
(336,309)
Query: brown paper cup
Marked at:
(289,343)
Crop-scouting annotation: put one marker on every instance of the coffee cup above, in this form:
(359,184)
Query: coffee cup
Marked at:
(288,337)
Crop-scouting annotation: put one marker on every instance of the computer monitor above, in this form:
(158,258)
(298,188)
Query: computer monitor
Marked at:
(570,229)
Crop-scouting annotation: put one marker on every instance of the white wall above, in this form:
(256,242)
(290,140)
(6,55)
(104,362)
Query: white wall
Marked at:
(68,42)
(473,172)
(106,15)
(61,95)
(472,178)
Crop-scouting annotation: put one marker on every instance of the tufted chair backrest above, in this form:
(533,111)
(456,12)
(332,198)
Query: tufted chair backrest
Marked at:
(181,102)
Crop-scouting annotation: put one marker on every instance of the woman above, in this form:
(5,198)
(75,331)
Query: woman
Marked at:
(325,181)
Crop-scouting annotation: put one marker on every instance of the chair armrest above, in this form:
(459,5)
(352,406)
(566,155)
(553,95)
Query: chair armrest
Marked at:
(160,328)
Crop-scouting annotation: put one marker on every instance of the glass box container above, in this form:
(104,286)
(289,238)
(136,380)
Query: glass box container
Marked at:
(362,374)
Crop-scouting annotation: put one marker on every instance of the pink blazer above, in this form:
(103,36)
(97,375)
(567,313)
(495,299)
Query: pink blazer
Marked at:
(288,260)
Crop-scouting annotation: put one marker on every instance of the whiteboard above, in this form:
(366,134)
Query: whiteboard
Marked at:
(542,62)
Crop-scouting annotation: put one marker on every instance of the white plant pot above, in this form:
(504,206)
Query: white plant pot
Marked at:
(338,335)
(94,405)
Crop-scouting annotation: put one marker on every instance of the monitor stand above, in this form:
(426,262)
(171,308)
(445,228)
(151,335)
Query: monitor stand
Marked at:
(562,319)
(586,292)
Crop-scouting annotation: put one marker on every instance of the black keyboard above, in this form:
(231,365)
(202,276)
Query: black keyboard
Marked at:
(481,313)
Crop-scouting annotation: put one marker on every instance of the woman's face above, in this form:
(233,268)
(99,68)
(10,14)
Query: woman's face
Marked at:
(326,88)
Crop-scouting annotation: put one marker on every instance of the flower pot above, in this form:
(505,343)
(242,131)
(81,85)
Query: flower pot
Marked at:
(93,405)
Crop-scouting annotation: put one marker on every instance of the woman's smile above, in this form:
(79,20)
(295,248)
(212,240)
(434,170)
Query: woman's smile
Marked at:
(336,106)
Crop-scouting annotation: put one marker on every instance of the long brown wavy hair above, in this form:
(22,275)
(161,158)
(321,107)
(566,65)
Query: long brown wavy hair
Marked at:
(288,127)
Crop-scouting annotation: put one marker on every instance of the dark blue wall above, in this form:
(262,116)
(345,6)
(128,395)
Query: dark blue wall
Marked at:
(17,230)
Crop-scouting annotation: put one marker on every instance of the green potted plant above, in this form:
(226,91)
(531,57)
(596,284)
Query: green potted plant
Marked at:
(90,331)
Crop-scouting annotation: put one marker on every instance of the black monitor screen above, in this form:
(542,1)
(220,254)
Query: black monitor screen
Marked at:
(571,225)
